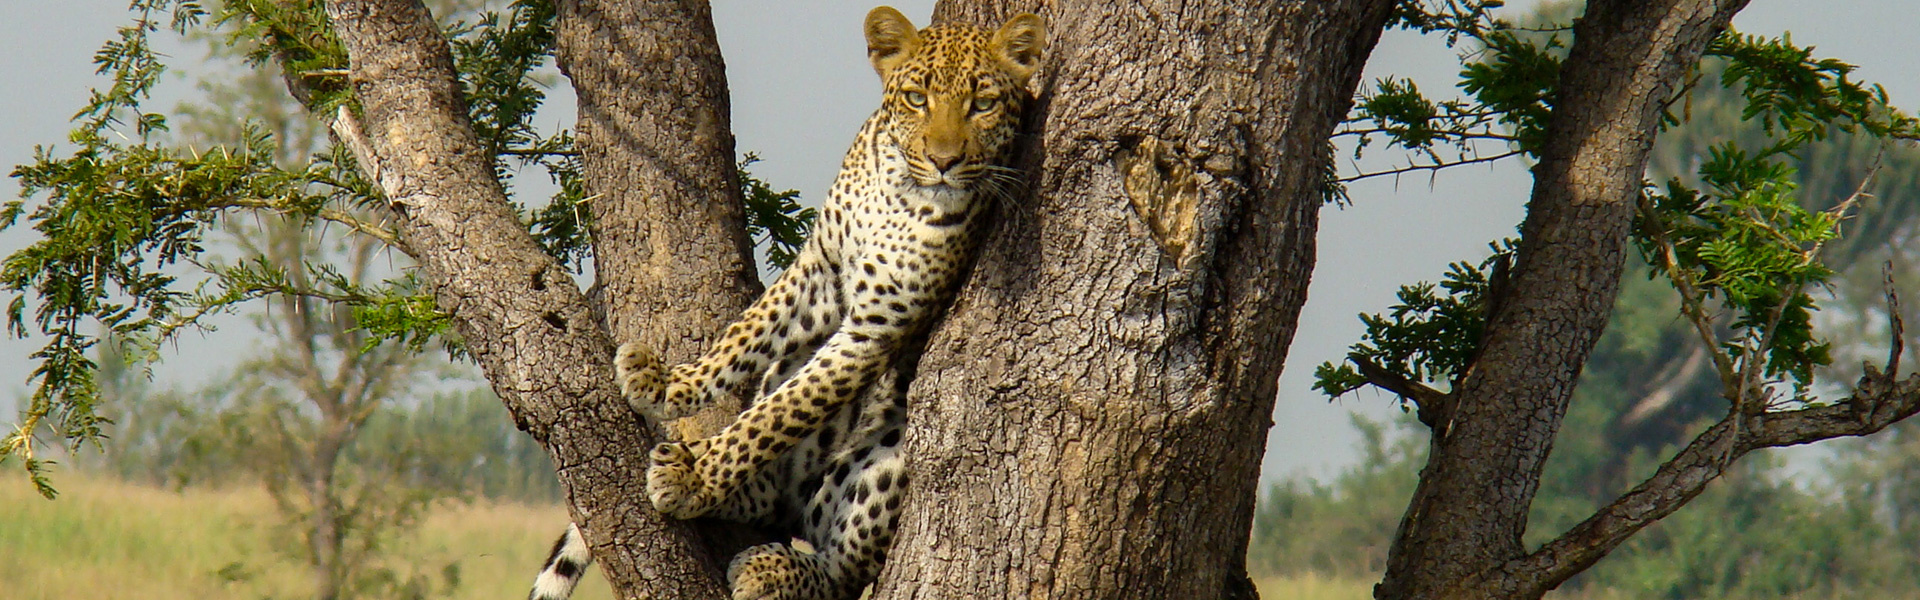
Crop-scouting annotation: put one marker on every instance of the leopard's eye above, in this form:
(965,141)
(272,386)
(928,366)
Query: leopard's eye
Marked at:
(983,104)
(916,99)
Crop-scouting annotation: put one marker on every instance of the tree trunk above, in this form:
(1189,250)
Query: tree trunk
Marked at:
(1470,508)
(532,331)
(670,242)
(1089,421)
(672,259)
(325,539)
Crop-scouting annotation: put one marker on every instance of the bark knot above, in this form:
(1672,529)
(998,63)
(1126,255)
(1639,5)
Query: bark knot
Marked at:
(1165,194)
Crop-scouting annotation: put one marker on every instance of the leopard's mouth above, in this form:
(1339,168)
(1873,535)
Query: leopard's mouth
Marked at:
(958,178)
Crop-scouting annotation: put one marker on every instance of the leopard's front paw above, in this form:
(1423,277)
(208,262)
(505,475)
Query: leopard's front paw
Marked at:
(777,572)
(645,386)
(673,482)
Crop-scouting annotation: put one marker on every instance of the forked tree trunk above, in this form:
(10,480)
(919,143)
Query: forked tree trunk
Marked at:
(534,333)
(1089,421)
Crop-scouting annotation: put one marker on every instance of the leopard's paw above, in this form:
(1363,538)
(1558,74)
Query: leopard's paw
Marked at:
(673,482)
(644,385)
(777,572)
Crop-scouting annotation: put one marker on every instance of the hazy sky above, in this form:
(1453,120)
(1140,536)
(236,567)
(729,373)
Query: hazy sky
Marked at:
(801,86)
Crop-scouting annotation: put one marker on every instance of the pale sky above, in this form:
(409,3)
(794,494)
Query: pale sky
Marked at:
(801,85)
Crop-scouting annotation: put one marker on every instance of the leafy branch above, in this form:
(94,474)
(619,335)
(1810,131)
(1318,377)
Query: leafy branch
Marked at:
(1742,251)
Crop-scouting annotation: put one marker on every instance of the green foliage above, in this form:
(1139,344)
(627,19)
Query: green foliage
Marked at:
(296,36)
(775,220)
(1800,98)
(1744,241)
(496,59)
(400,310)
(1515,80)
(1509,86)
(109,227)
(1748,243)
(1430,335)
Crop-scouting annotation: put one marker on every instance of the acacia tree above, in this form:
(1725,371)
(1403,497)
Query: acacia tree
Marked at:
(1089,419)
(1508,338)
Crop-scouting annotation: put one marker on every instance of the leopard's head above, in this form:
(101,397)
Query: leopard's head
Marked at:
(953,93)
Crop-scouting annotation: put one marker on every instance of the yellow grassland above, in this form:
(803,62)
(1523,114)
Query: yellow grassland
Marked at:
(111,540)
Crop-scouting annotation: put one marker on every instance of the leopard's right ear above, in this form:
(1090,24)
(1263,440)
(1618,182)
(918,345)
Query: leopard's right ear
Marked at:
(891,38)
(1019,44)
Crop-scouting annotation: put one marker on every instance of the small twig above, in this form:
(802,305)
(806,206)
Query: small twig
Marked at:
(1437,133)
(1433,167)
(519,152)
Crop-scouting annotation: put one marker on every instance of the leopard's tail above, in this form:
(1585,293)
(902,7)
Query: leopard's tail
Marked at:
(568,562)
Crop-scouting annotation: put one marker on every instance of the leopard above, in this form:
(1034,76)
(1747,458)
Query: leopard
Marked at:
(828,347)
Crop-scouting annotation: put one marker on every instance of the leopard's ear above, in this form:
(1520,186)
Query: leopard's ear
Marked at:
(1019,44)
(891,38)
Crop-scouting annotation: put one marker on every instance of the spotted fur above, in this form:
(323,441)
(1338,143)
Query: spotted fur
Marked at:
(891,242)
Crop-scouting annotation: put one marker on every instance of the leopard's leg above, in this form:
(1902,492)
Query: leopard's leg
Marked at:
(793,312)
(849,523)
(685,485)
(884,306)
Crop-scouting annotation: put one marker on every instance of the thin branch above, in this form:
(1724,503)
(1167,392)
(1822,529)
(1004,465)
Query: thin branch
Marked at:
(1691,303)
(1433,167)
(1460,135)
(371,230)
(530,152)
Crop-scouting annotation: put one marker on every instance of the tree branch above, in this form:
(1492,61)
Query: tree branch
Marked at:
(1878,400)
(1431,403)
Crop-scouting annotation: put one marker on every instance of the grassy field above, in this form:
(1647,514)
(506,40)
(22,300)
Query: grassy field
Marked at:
(110,540)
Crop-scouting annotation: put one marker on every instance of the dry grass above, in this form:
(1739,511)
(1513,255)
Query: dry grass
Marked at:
(106,539)
(1313,586)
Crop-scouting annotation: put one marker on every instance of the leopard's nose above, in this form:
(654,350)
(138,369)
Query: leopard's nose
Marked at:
(943,161)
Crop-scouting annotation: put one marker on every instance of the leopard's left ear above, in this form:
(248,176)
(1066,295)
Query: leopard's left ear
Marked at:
(1019,44)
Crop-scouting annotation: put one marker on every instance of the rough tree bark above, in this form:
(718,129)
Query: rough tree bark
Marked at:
(532,330)
(1089,420)
(672,260)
